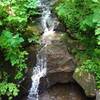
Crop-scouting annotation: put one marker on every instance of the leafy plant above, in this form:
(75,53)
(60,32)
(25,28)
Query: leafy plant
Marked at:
(80,16)
(93,67)
(14,19)
(34,38)
(9,89)
(12,46)
(82,20)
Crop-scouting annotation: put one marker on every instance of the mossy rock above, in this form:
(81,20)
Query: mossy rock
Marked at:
(33,30)
(86,81)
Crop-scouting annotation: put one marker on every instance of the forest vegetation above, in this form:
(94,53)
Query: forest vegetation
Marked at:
(81,19)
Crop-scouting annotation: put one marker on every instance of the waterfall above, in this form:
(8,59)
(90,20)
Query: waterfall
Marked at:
(38,72)
(48,24)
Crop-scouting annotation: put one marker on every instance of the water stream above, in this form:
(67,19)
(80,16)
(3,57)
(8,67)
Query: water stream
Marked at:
(48,23)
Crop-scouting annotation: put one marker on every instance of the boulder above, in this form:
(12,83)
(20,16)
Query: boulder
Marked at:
(86,81)
(60,64)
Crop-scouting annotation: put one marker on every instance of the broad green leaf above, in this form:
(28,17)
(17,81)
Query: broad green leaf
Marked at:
(97,31)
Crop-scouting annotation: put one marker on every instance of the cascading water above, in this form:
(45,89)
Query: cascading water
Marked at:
(38,72)
(48,24)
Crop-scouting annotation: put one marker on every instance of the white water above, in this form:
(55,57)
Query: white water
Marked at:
(48,24)
(38,72)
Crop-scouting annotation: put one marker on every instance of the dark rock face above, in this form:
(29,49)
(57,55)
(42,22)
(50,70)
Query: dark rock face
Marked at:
(31,56)
(63,92)
(60,65)
(60,28)
(86,81)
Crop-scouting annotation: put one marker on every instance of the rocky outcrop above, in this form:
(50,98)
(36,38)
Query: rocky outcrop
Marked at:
(60,64)
(86,81)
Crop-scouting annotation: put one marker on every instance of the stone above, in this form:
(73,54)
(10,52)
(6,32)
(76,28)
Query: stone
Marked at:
(60,64)
(33,29)
(86,81)
(60,28)
(98,95)
(31,55)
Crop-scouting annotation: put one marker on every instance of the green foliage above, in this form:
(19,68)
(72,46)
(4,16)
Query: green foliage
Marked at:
(14,19)
(8,40)
(80,16)
(12,45)
(82,19)
(9,89)
(93,67)
(16,13)
(34,38)
(67,12)
(93,20)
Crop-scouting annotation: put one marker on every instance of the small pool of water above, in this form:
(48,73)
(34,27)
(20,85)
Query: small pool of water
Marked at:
(70,91)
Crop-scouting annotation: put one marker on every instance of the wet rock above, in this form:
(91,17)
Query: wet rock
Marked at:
(32,29)
(60,28)
(31,55)
(60,64)
(98,95)
(63,92)
(86,81)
